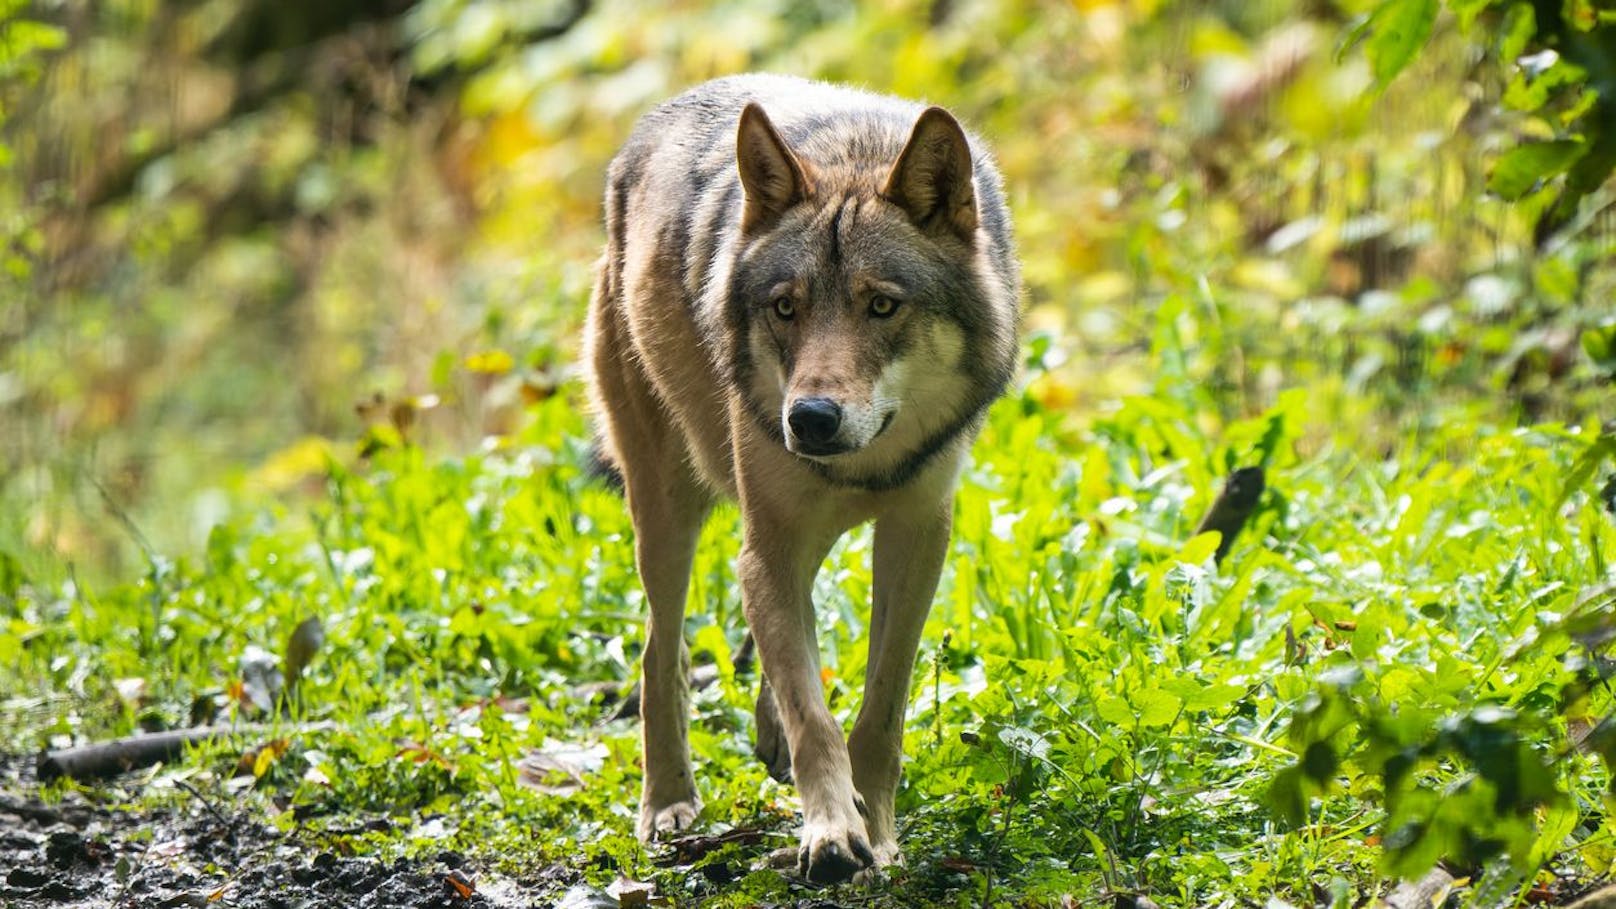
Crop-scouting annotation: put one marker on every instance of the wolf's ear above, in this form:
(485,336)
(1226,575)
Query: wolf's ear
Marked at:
(932,179)
(773,177)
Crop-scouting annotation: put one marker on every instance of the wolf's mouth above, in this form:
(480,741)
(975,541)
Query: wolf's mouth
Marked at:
(827,450)
(832,449)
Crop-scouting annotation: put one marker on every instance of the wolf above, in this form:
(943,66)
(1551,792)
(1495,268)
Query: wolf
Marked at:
(808,298)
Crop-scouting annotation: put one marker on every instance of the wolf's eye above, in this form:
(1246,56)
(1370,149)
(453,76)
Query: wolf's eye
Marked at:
(882,306)
(784,308)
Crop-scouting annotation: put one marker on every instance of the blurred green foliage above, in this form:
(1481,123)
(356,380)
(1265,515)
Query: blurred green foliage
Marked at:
(246,218)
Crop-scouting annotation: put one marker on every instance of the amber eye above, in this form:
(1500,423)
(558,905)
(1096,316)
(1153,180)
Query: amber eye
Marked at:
(882,306)
(784,308)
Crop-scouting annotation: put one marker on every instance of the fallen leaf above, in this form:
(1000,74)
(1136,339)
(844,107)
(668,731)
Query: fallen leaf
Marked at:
(130,691)
(631,892)
(420,754)
(256,762)
(583,896)
(558,768)
(461,884)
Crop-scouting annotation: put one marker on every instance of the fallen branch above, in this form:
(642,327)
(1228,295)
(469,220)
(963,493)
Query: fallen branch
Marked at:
(688,850)
(1233,507)
(106,759)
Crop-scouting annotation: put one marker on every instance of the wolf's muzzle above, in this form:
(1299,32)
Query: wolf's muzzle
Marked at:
(814,423)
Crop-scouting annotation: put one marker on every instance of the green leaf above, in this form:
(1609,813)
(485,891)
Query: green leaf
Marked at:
(1581,14)
(1199,548)
(1593,168)
(1399,29)
(1320,762)
(1599,343)
(1115,711)
(1520,24)
(22,36)
(1286,796)
(222,548)
(1521,168)
(1157,707)
(1557,280)
(1599,451)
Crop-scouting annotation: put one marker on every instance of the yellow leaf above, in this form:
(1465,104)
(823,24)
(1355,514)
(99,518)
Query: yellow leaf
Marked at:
(491,362)
(268,755)
(308,457)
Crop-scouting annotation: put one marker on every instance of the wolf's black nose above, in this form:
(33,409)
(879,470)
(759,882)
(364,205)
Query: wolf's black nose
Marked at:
(815,420)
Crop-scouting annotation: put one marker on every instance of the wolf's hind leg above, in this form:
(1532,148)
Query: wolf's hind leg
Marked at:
(771,747)
(667,522)
(668,505)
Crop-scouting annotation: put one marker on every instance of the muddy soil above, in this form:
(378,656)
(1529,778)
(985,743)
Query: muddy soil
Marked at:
(73,853)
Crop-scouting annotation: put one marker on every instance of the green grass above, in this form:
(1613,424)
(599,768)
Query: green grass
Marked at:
(1382,673)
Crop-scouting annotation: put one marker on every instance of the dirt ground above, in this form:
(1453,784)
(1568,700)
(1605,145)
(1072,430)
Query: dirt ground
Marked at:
(74,853)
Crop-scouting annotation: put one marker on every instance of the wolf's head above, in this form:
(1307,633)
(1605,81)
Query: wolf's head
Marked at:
(870,321)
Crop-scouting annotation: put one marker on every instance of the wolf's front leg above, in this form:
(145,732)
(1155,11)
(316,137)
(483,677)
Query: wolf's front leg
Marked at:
(910,546)
(777,569)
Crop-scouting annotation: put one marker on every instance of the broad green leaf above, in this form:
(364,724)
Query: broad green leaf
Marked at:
(1198,696)
(1157,707)
(1557,279)
(1286,796)
(1592,169)
(1599,343)
(1115,711)
(21,36)
(1520,169)
(1398,30)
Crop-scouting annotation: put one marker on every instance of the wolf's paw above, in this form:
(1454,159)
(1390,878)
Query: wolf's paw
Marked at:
(659,821)
(832,853)
(886,856)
